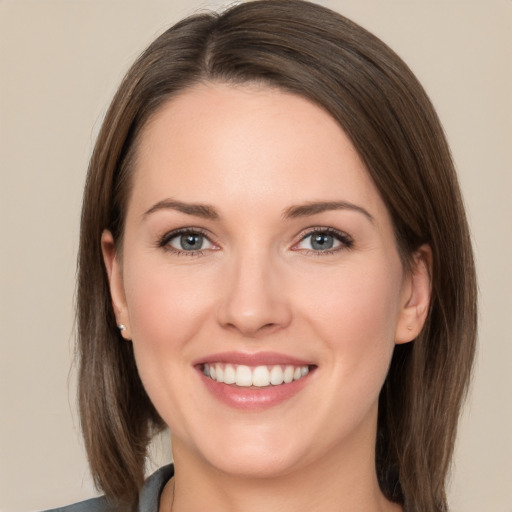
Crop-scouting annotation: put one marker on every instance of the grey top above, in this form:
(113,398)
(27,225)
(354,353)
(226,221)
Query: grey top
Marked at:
(148,501)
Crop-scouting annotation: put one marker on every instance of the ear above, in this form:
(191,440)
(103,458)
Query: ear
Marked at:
(416,294)
(115,279)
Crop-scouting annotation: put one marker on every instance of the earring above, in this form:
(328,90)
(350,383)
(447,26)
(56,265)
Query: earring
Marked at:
(121,327)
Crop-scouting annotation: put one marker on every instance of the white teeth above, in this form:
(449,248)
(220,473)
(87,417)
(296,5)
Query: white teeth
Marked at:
(258,376)
(276,376)
(229,374)
(243,376)
(219,373)
(288,374)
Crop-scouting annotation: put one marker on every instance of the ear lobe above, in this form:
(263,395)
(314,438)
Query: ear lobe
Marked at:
(416,299)
(115,279)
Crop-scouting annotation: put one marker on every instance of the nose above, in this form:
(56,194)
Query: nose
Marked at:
(254,300)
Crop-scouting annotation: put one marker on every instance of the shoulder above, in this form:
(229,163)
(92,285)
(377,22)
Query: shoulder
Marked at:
(148,501)
(100,504)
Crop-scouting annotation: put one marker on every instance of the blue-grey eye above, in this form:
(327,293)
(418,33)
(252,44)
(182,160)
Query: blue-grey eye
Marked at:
(190,242)
(320,241)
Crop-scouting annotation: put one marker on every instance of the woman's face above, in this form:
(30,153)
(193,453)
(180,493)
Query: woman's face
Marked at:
(257,249)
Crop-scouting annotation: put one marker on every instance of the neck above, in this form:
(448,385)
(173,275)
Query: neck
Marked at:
(347,486)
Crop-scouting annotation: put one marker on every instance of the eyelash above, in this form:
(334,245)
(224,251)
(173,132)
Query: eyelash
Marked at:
(345,240)
(164,242)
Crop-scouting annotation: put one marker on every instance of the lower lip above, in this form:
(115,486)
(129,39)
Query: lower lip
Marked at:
(253,398)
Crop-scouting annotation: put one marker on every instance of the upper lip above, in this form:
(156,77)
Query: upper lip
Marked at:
(252,359)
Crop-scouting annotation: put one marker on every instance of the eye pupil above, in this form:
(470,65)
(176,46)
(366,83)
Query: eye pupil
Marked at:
(191,242)
(322,241)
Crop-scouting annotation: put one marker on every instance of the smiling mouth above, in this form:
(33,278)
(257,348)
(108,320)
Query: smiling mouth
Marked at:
(254,376)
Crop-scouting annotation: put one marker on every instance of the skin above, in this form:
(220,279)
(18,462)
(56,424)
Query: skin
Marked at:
(252,153)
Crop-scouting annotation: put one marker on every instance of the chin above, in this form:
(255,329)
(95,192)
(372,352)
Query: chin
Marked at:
(256,465)
(257,453)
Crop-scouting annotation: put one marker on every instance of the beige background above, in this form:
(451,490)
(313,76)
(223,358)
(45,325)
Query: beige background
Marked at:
(60,62)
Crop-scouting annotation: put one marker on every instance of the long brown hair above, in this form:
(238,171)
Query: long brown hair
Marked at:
(306,49)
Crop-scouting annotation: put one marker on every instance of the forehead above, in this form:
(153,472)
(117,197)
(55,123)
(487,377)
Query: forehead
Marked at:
(217,142)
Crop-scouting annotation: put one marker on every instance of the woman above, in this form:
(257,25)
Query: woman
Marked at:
(275,263)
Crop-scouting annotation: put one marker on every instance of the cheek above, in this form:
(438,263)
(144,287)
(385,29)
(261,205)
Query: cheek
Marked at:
(357,300)
(165,305)
(355,313)
(358,323)
(166,311)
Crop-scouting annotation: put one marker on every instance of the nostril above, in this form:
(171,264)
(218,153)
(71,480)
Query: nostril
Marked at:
(253,329)
(253,303)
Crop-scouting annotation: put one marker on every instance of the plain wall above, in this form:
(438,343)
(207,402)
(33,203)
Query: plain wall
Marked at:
(60,63)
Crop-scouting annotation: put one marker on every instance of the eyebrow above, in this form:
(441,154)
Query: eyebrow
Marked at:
(204,211)
(313,208)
